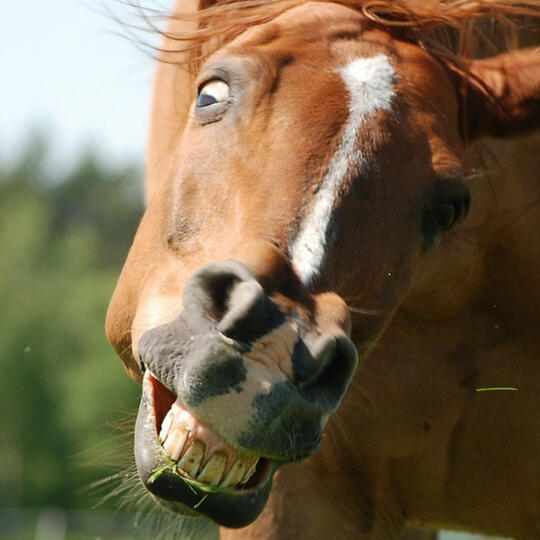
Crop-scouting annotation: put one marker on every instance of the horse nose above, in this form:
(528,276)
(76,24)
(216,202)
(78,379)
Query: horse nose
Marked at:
(227,296)
(255,364)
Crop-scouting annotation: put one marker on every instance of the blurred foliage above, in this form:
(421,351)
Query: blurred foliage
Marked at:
(62,243)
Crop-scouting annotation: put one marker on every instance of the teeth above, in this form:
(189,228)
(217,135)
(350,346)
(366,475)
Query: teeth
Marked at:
(174,435)
(166,425)
(175,442)
(237,472)
(213,470)
(192,459)
(251,469)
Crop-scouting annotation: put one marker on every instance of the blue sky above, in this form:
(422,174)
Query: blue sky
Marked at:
(66,70)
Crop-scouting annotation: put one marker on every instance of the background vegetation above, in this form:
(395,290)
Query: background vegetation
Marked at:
(62,243)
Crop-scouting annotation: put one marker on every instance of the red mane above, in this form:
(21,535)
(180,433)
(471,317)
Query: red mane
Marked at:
(452,28)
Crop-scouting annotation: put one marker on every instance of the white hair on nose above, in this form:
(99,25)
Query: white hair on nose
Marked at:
(370,82)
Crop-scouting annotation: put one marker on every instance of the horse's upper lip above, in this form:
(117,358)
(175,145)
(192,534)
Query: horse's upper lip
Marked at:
(226,505)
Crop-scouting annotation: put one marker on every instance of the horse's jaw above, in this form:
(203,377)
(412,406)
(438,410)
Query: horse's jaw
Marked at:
(174,489)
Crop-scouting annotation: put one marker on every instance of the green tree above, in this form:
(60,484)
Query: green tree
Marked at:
(61,245)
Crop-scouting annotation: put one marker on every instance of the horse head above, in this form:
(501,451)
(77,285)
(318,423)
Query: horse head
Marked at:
(322,163)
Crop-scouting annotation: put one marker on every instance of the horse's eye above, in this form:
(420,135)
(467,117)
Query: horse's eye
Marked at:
(214,91)
(446,214)
(442,215)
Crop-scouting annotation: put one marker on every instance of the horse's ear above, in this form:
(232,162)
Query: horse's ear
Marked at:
(499,96)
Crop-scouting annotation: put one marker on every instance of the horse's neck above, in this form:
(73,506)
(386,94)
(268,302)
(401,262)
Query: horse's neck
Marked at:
(412,404)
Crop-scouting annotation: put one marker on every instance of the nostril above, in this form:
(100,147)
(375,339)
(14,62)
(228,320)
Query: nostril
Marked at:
(323,350)
(207,293)
(227,297)
(246,314)
(328,385)
(310,357)
(217,292)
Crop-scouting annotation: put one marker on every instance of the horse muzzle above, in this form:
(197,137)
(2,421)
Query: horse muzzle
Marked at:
(238,384)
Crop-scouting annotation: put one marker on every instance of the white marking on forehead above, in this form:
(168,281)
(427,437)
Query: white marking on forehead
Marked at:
(370,82)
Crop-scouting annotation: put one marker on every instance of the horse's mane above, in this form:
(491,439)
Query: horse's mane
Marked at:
(452,28)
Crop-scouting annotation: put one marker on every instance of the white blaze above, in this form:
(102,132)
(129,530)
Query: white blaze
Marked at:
(370,82)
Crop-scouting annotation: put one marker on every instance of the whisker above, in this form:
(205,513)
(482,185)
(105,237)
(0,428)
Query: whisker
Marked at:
(366,311)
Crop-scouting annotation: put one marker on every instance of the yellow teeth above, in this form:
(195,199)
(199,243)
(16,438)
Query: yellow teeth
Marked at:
(252,465)
(213,470)
(174,445)
(166,426)
(192,459)
(236,474)
(241,471)
(189,456)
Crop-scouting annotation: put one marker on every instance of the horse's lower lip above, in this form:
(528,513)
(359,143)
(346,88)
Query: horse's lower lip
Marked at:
(227,506)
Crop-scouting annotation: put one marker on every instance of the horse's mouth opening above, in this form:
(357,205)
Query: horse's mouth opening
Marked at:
(190,469)
(196,452)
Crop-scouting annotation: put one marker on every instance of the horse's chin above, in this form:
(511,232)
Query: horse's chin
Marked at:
(232,506)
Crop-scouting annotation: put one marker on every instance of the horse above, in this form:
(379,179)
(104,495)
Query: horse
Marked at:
(333,297)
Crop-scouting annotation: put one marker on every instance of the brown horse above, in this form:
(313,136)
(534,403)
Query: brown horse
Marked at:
(318,235)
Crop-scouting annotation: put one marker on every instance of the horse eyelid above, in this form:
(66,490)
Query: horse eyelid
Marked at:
(211,74)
